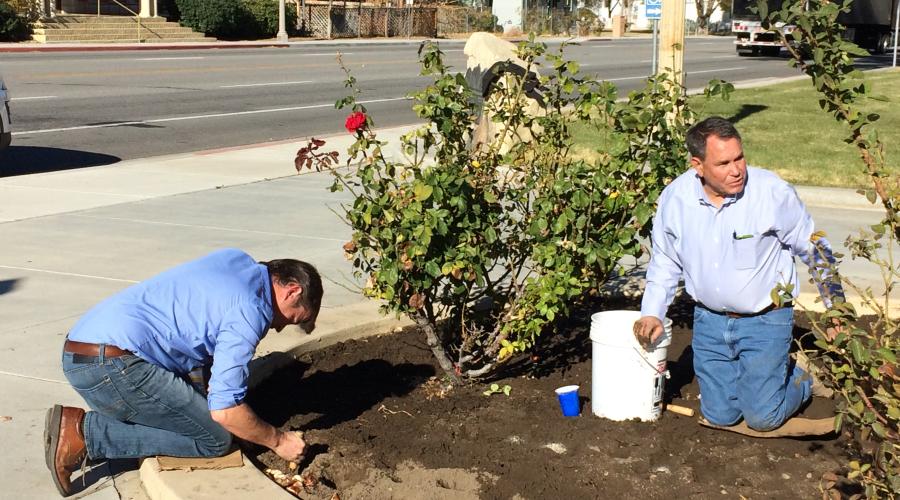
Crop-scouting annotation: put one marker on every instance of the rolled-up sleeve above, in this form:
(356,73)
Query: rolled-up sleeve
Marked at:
(235,347)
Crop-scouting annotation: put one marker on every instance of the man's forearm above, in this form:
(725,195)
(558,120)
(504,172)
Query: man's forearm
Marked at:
(241,421)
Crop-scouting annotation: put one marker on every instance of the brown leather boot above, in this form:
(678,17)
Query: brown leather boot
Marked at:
(64,446)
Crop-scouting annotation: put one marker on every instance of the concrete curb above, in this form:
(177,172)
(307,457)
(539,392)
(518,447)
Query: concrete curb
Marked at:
(113,47)
(129,46)
(836,198)
(249,480)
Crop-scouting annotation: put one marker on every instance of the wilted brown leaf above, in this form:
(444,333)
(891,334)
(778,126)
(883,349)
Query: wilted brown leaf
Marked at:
(416,301)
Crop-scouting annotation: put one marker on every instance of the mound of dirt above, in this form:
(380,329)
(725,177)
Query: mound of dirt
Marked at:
(382,423)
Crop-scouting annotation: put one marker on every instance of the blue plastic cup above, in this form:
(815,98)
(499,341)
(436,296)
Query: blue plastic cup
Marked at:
(568,400)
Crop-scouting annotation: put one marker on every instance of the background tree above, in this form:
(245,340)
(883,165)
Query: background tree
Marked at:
(705,10)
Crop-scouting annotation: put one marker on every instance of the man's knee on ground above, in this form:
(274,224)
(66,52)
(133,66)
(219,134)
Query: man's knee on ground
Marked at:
(763,421)
(721,416)
(216,446)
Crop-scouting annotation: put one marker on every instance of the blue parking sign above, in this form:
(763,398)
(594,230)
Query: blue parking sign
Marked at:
(652,9)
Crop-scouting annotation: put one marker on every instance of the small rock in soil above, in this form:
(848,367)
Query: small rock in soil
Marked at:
(785,476)
(557,448)
(514,439)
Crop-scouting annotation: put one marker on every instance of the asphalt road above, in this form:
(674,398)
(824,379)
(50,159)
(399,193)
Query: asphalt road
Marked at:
(76,109)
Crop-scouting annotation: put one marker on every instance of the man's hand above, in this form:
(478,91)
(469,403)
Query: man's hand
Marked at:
(243,423)
(290,446)
(832,331)
(647,330)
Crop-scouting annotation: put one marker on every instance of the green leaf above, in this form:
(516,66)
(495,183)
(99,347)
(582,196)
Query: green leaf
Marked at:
(422,191)
(490,235)
(432,269)
(859,353)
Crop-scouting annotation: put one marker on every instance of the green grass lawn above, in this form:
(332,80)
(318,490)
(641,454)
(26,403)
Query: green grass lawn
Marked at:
(785,131)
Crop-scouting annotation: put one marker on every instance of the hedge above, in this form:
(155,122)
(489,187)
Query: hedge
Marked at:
(13,27)
(234,19)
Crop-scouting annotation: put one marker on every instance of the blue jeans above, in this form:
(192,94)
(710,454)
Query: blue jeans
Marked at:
(744,370)
(141,410)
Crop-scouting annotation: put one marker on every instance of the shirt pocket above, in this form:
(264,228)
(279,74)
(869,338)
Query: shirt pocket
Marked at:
(746,254)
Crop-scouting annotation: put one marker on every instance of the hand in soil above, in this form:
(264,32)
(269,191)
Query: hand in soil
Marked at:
(290,446)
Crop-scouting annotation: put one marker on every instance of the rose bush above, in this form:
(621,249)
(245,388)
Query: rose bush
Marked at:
(488,245)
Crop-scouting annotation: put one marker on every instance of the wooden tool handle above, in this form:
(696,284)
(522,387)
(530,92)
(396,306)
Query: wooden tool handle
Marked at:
(681,410)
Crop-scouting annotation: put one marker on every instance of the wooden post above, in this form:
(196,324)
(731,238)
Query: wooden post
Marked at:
(329,20)
(671,40)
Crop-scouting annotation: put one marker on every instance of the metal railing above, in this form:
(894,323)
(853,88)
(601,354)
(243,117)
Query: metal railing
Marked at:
(137,17)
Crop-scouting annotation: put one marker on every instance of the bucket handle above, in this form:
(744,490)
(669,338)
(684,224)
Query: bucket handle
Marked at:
(652,367)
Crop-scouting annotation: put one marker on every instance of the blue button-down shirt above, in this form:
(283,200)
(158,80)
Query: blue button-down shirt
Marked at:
(216,308)
(730,257)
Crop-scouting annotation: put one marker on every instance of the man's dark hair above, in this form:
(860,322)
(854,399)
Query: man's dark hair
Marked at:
(287,271)
(714,125)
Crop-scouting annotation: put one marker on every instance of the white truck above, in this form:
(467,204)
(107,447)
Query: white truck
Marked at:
(869,24)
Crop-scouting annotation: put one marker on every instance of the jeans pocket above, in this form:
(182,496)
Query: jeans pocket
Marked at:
(99,390)
(779,317)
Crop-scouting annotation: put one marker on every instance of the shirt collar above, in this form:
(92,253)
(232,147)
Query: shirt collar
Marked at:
(703,198)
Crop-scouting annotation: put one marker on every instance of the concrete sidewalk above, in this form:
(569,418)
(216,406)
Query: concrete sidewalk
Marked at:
(74,237)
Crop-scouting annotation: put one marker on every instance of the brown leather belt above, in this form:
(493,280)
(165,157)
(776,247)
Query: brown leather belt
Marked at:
(85,349)
(767,309)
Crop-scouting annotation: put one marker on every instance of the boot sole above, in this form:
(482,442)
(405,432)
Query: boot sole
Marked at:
(51,444)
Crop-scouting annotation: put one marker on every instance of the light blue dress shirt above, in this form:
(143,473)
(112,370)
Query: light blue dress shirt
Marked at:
(216,308)
(730,257)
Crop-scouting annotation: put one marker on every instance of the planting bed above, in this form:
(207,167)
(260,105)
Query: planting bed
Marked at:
(381,423)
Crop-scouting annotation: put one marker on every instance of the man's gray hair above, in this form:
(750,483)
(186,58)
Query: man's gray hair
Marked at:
(714,125)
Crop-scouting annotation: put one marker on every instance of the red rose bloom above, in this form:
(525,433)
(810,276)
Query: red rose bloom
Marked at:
(356,121)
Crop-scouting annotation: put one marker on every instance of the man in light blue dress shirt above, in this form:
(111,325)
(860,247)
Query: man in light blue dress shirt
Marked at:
(732,232)
(131,355)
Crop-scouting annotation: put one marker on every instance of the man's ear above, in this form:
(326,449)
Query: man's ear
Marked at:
(697,165)
(294,292)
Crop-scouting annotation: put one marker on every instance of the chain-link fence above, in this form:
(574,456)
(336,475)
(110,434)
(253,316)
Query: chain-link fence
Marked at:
(321,20)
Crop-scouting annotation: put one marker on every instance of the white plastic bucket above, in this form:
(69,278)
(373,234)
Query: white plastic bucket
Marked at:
(627,381)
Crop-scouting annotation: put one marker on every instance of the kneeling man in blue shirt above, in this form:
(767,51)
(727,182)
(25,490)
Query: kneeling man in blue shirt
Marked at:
(731,232)
(130,357)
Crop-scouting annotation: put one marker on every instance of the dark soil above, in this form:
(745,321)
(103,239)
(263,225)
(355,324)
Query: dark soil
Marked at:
(381,423)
